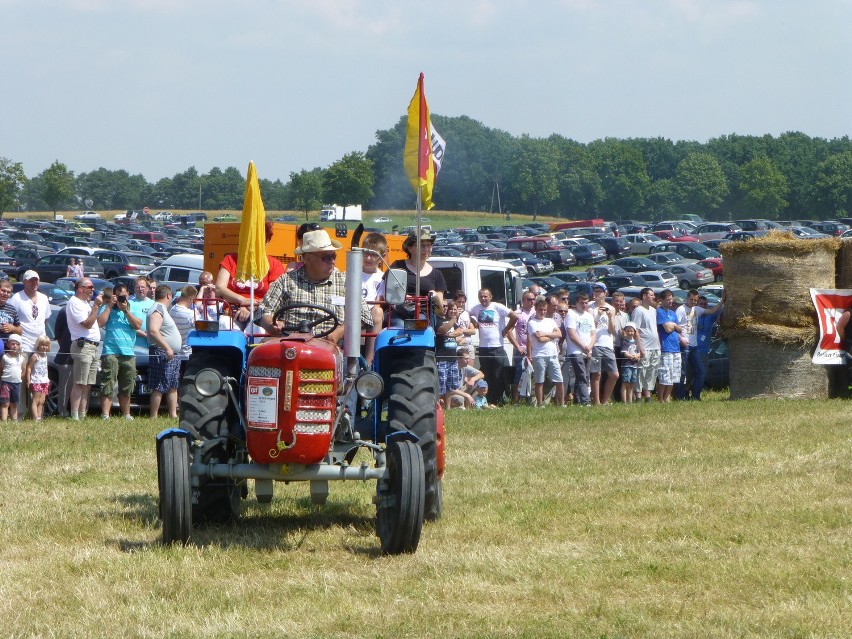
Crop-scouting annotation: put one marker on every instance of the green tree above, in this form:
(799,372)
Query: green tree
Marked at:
(763,186)
(306,190)
(111,190)
(349,180)
(700,183)
(623,175)
(58,185)
(579,183)
(534,180)
(833,185)
(661,203)
(12,183)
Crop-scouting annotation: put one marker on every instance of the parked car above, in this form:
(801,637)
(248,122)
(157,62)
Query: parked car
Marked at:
(561,258)
(635,264)
(717,371)
(714,230)
(809,233)
(642,242)
(534,264)
(139,400)
(691,275)
(741,236)
(570,277)
(447,251)
(586,252)
(548,283)
(523,271)
(755,225)
(595,272)
(68,283)
(25,258)
(674,236)
(178,271)
(225,217)
(52,267)
(115,263)
(661,279)
(667,259)
(615,246)
(715,244)
(689,250)
(614,282)
(714,265)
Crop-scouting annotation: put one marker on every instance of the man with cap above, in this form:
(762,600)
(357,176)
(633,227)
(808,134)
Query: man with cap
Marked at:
(33,310)
(603,353)
(10,324)
(318,283)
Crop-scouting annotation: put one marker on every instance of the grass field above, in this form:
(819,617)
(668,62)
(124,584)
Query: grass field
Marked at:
(719,519)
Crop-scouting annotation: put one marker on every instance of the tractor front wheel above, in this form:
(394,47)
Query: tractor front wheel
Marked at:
(209,419)
(175,490)
(412,406)
(399,504)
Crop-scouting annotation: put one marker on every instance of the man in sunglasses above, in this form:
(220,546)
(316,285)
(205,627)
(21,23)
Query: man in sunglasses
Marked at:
(318,282)
(82,315)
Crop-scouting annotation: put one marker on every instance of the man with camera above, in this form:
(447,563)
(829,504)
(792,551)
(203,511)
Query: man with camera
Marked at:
(82,314)
(118,361)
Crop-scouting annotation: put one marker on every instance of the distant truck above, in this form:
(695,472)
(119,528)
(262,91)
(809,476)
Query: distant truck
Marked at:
(336,213)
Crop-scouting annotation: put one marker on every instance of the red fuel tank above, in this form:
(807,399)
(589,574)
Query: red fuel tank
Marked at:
(291,399)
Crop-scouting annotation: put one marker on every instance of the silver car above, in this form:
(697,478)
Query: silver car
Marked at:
(642,242)
(659,279)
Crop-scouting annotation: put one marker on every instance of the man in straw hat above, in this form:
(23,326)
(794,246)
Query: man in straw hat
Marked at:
(318,282)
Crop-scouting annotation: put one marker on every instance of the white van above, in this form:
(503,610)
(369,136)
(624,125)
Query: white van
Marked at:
(179,270)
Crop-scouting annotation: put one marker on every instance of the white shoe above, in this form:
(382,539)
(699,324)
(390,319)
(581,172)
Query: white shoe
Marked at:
(128,418)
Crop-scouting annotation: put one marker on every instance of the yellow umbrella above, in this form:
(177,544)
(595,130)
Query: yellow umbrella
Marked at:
(252,264)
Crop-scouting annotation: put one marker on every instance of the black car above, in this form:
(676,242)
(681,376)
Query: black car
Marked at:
(52,267)
(26,258)
(570,277)
(613,282)
(561,258)
(615,246)
(115,263)
(635,264)
(589,253)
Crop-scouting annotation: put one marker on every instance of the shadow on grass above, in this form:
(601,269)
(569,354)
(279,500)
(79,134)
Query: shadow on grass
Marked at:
(283,525)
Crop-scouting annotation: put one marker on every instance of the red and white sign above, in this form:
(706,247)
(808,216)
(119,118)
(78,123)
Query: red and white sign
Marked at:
(146,210)
(830,304)
(262,403)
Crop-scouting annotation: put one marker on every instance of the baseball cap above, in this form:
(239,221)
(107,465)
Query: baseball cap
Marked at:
(599,285)
(482,384)
(28,275)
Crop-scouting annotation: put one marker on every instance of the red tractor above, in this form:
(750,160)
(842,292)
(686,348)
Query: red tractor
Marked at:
(298,408)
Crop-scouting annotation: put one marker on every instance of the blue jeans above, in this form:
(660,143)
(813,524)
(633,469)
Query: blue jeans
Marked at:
(580,366)
(692,374)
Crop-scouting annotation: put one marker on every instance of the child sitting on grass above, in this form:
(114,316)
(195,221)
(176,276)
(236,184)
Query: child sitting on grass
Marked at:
(11,373)
(37,380)
(480,393)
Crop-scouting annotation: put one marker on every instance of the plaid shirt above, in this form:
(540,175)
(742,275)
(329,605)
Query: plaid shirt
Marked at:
(294,288)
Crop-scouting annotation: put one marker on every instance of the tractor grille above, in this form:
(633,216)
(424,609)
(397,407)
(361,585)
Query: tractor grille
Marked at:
(315,402)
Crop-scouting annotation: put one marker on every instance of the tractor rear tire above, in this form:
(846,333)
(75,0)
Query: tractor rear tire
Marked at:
(208,419)
(399,508)
(412,403)
(175,490)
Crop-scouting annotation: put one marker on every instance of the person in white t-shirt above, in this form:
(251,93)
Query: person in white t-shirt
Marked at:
(603,355)
(85,339)
(373,284)
(495,322)
(33,310)
(581,335)
(543,339)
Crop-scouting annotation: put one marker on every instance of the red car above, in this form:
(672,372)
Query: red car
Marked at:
(715,265)
(675,236)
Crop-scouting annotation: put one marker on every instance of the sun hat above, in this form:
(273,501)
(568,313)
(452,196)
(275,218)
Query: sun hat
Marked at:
(425,236)
(28,275)
(14,338)
(316,241)
(630,325)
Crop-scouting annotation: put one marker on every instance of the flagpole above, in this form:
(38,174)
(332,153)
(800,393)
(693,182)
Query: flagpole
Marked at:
(418,222)
(251,310)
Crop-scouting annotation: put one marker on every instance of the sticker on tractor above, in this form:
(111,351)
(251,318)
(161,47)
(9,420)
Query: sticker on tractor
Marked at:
(263,403)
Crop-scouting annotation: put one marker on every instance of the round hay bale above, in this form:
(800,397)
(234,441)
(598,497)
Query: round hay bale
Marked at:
(767,280)
(844,264)
(772,333)
(767,361)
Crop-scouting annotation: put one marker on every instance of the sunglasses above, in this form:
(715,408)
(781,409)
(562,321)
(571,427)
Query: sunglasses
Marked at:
(329,258)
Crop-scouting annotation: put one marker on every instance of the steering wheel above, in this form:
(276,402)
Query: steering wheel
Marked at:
(307,326)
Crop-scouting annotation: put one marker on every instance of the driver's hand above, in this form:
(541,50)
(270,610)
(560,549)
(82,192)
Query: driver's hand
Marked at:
(275,328)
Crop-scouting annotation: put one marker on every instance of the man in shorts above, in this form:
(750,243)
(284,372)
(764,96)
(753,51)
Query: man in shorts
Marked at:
(671,342)
(644,315)
(85,338)
(118,360)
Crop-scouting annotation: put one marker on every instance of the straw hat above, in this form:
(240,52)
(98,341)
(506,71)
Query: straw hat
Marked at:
(316,241)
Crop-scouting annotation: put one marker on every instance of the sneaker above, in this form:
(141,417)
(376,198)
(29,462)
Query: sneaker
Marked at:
(104,417)
(128,418)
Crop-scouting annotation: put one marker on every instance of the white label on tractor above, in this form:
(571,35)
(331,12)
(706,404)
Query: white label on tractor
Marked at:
(263,403)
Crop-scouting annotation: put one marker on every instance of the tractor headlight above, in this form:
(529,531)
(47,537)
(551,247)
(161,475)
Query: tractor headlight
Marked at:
(208,382)
(369,385)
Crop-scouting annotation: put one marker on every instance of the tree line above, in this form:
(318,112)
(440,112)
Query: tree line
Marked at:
(786,177)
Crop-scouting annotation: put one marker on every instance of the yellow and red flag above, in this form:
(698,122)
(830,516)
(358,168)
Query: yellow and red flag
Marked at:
(417,157)
(252,264)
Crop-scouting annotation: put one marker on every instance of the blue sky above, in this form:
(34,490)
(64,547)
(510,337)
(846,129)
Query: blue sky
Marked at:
(157,86)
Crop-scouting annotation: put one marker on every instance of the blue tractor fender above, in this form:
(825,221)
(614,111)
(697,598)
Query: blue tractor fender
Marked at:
(233,341)
(403,338)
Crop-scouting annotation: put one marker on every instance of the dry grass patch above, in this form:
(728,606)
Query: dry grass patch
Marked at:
(723,519)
